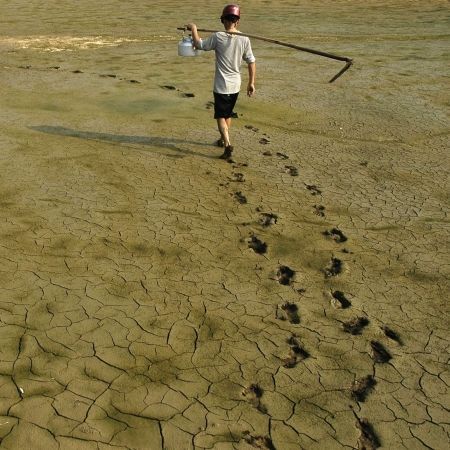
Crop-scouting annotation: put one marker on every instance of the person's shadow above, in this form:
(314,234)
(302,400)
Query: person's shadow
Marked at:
(162,142)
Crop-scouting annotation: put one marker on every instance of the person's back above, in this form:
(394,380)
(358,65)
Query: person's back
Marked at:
(230,49)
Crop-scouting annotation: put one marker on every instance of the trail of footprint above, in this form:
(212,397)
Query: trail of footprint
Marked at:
(391,334)
(368,439)
(379,353)
(336,234)
(240,197)
(260,442)
(339,300)
(313,189)
(288,311)
(291,170)
(253,395)
(356,325)
(319,210)
(268,219)
(297,353)
(361,388)
(285,275)
(238,177)
(257,245)
(335,268)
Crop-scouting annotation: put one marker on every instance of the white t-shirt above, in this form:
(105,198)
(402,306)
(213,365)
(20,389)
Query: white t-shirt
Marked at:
(230,50)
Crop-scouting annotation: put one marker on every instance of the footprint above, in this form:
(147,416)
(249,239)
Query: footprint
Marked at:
(240,197)
(391,334)
(297,353)
(368,439)
(339,300)
(268,219)
(313,189)
(267,153)
(188,95)
(288,311)
(282,155)
(238,177)
(260,442)
(285,275)
(251,127)
(264,141)
(209,105)
(77,71)
(319,210)
(291,170)
(335,234)
(335,268)
(361,388)
(169,87)
(356,325)
(253,395)
(379,353)
(134,81)
(257,245)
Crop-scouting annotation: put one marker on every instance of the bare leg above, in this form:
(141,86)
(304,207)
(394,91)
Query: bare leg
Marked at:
(223,125)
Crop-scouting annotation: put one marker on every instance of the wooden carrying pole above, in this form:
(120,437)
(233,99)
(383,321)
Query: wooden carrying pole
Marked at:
(348,61)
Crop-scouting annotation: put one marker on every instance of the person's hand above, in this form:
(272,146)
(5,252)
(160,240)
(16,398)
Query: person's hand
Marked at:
(250,89)
(191,26)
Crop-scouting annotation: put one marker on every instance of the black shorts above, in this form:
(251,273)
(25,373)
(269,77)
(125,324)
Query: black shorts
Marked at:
(224,104)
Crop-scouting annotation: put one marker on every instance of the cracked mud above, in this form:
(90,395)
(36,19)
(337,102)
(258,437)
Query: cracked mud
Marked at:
(133,315)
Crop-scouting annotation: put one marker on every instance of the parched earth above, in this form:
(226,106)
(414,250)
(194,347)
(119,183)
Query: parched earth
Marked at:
(155,297)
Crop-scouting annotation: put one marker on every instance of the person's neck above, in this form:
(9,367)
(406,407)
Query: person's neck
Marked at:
(231,29)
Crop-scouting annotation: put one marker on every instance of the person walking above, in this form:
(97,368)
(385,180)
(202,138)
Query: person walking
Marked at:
(230,50)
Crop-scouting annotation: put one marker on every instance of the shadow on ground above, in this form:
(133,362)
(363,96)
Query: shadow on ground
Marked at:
(154,141)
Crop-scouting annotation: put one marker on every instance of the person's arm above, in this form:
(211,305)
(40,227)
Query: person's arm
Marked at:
(195,36)
(251,79)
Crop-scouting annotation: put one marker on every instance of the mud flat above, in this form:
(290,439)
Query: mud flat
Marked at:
(155,297)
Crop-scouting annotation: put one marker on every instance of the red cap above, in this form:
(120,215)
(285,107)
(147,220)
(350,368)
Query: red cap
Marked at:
(231,10)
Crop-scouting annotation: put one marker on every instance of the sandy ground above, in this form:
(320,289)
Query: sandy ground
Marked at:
(155,297)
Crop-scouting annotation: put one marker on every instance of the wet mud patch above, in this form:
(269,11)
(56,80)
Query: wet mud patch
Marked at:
(284,275)
(335,267)
(362,387)
(288,311)
(336,234)
(356,325)
(378,353)
(257,245)
(339,300)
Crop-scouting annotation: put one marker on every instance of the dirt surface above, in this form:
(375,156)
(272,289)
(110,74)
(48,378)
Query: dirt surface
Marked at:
(136,310)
